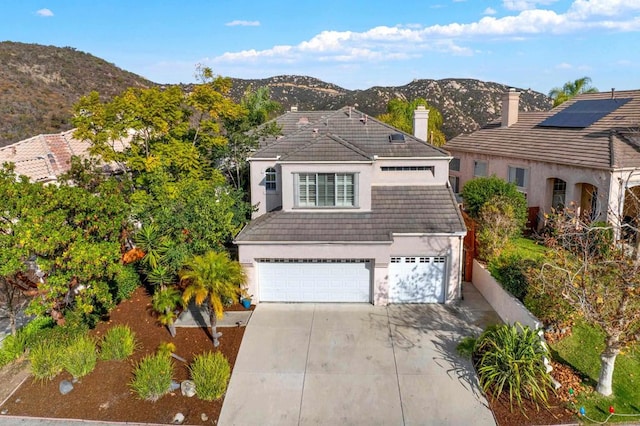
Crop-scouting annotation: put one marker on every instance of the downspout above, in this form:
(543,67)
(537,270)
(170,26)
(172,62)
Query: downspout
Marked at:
(460,261)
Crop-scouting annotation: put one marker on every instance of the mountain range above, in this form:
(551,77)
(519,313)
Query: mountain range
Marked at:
(39,85)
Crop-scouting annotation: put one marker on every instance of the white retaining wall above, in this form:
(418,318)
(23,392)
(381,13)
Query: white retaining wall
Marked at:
(509,308)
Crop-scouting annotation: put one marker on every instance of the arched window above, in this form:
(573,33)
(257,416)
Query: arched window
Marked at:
(270,179)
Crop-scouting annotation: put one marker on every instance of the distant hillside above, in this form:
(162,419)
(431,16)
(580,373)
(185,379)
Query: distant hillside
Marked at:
(39,84)
(465,104)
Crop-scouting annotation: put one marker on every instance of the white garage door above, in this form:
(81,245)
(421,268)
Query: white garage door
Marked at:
(417,279)
(315,280)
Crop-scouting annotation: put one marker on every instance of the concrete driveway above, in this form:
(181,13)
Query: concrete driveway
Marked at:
(358,364)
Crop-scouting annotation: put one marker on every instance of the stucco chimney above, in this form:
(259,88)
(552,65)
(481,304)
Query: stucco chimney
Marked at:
(294,108)
(421,123)
(510,101)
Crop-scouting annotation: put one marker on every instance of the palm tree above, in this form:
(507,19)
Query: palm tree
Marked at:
(212,277)
(571,89)
(400,115)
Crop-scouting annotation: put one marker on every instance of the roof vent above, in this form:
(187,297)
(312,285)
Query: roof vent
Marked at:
(396,138)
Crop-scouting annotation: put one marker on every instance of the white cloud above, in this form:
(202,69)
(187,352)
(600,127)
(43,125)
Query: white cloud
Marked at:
(525,4)
(489,11)
(385,43)
(564,66)
(44,12)
(240,23)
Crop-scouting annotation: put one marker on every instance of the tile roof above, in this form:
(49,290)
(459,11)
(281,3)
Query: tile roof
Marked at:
(368,135)
(42,158)
(395,209)
(605,144)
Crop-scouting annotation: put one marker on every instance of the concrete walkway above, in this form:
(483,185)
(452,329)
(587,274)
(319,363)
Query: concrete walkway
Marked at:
(358,364)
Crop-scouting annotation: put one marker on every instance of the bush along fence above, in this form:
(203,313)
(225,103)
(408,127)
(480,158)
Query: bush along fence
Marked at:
(509,309)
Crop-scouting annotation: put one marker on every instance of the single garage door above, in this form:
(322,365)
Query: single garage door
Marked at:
(417,279)
(315,280)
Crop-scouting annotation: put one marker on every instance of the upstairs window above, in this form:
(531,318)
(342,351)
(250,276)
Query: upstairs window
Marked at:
(270,179)
(454,165)
(325,190)
(520,177)
(479,168)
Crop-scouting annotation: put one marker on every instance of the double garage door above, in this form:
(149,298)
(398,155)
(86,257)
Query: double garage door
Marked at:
(315,280)
(411,280)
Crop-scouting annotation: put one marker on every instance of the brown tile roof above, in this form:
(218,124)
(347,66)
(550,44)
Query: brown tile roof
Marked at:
(44,157)
(395,209)
(368,135)
(603,144)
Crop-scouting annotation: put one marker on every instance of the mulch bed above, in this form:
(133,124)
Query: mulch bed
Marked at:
(105,395)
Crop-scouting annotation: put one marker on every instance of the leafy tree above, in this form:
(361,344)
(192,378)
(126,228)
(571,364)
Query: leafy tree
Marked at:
(478,191)
(244,132)
(571,89)
(72,235)
(212,278)
(498,223)
(400,115)
(601,279)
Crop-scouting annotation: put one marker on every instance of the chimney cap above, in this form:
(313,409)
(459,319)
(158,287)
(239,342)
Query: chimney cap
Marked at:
(421,107)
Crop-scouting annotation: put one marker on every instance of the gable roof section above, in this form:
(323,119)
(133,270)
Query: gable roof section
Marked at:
(395,210)
(353,127)
(590,146)
(326,147)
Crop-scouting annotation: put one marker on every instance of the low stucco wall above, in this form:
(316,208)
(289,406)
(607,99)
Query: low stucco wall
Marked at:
(509,308)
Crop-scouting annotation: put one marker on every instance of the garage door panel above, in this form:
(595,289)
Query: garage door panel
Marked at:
(417,279)
(324,281)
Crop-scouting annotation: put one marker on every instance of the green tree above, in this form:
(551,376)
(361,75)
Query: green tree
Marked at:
(400,115)
(71,234)
(244,132)
(212,278)
(498,224)
(600,278)
(478,191)
(571,89)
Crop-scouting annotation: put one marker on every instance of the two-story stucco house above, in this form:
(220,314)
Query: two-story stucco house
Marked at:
(585,153)
(350,209)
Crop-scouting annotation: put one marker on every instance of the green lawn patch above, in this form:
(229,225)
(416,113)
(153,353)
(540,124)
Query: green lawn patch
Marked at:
(582,351)
(526,248)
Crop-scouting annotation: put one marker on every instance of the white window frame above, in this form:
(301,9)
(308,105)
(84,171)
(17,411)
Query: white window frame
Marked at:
(311,190)
(512,177)
(271,179)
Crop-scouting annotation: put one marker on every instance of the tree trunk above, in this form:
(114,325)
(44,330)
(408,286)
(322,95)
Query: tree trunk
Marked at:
(214,330)
(608,359)
(12,321)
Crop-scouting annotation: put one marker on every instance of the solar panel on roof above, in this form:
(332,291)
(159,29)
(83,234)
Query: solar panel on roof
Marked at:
(583,113)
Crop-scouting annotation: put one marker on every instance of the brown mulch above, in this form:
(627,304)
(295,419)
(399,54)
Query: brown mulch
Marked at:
(105,395)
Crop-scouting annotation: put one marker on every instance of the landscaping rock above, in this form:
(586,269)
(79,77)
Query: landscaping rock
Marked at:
(188,388)
(174,386)
(204,417)
(65,387)
(178,419)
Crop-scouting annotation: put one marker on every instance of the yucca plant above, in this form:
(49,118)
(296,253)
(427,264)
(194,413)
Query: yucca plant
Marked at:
(511,359)
(210,373)
(119,342)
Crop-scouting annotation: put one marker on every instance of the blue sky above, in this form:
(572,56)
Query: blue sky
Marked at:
(355,44)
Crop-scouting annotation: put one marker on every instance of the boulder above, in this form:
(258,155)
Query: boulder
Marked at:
(188,388)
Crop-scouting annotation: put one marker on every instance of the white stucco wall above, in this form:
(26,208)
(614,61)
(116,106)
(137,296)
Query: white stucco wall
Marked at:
(439,176)
(379,253)
(362,170)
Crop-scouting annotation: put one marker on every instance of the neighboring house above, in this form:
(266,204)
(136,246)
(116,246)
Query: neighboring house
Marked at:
(350,209)
(584,153)
(43,158)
